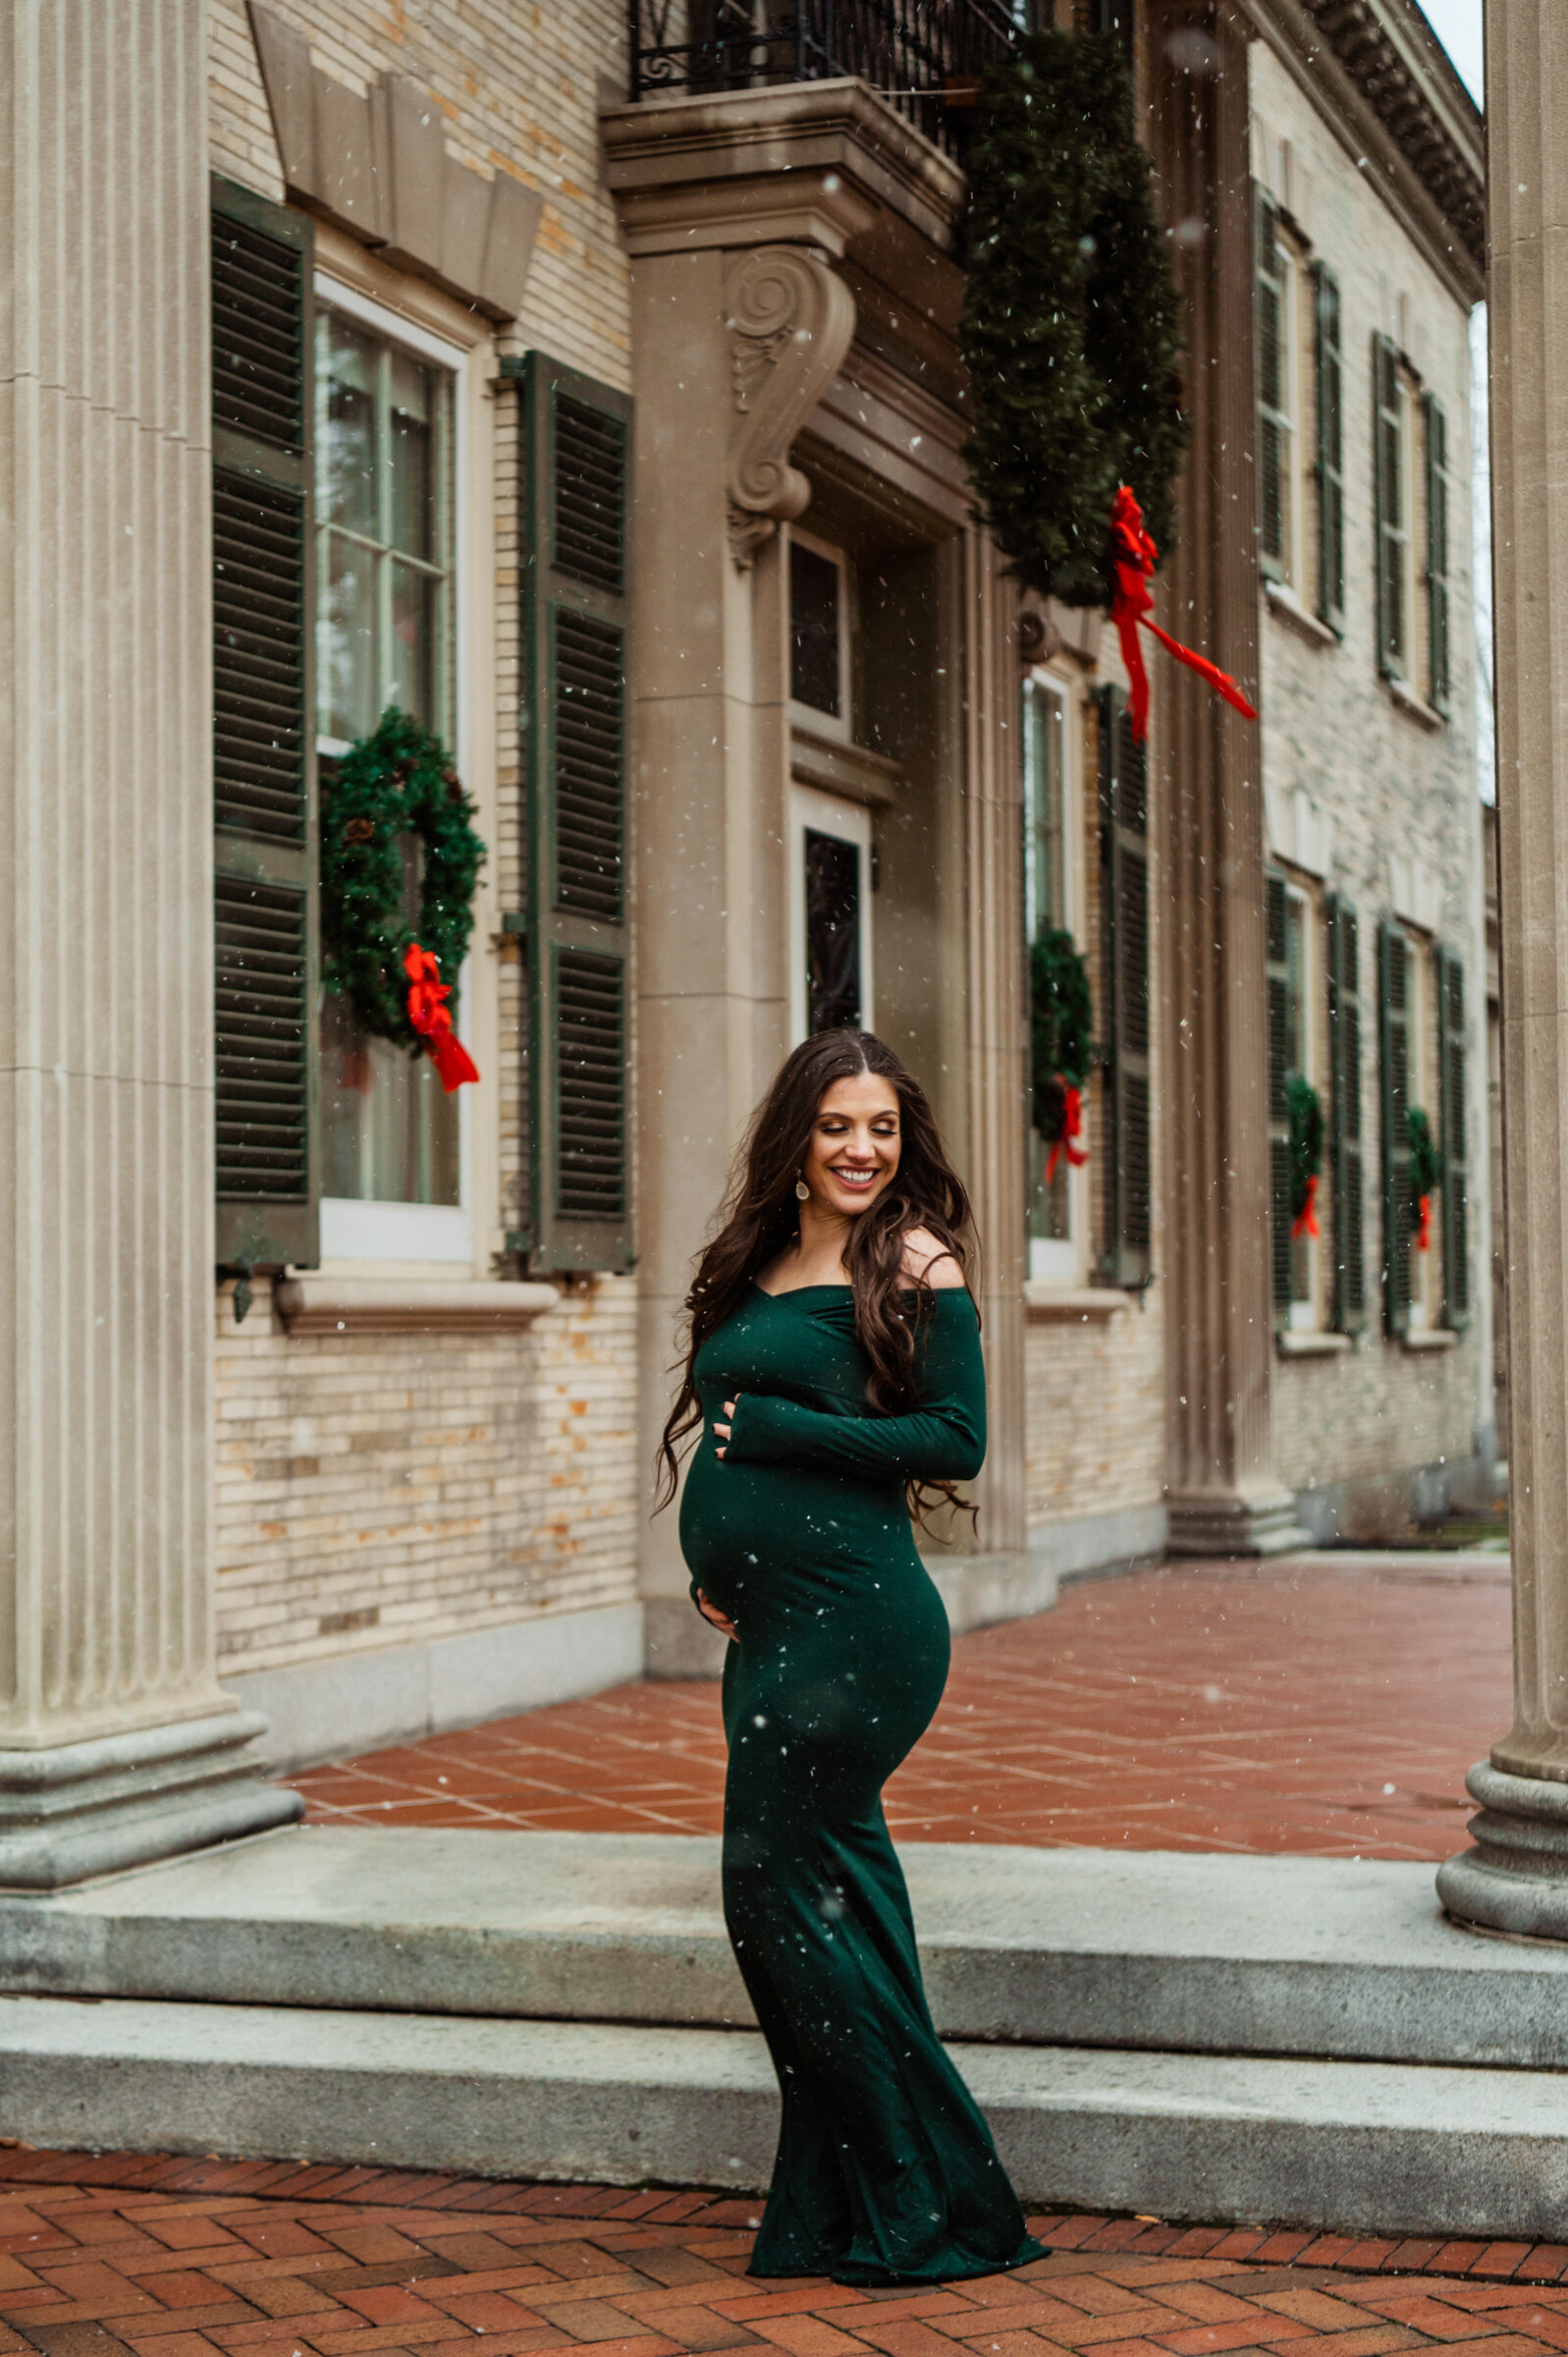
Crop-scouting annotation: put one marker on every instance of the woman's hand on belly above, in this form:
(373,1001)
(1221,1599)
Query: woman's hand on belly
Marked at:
(721,1432)
(710,1611)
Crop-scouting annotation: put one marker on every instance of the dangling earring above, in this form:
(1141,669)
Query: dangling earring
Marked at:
(802,1192)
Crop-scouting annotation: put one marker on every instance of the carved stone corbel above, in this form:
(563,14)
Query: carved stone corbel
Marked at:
(791,321)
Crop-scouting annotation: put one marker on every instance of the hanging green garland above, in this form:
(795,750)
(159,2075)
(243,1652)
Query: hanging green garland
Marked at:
(1426,1173)
(1061,1038)
(1305,1107)
(398,780)
(1071,321)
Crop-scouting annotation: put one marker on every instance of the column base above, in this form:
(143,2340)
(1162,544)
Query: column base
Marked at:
(81,1809)
(1227,1523)
(1516,1877)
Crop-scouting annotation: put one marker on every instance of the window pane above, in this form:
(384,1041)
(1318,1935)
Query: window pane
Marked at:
(414,602)
(345,640)
(813,590)
(832,932)
(390,1130)
(347,360)
(1043,776)
(412,428)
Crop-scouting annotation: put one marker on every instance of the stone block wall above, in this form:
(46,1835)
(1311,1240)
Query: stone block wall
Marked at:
(1390,786)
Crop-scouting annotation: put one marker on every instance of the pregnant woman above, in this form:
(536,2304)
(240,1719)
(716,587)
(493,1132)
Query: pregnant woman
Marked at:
(834,1370)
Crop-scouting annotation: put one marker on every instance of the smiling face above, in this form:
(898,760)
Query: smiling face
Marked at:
(854,1144)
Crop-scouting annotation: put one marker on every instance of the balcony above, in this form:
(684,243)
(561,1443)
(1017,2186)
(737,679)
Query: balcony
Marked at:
(922,56)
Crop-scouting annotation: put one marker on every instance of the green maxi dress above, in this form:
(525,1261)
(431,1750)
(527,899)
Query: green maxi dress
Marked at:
(886,2170)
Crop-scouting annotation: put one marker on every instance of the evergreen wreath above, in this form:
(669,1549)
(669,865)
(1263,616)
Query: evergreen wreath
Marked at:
(1061,1028)
(1071,321)
(1305,1107)
(397,781)
(1426,1158)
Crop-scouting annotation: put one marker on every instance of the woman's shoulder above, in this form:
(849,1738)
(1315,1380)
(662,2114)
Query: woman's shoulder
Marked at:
(926,1261)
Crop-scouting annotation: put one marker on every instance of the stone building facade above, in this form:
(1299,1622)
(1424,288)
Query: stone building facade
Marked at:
(647,394)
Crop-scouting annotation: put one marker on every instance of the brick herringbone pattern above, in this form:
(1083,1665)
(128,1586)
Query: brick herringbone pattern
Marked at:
(121,2256)
(1197,1707)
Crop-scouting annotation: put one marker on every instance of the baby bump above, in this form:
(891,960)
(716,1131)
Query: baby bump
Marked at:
(773,1529)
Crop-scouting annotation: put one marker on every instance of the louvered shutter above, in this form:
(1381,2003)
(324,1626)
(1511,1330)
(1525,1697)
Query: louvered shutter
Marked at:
(264,776)
(1344,1116)
(1273,422)
(1438,679)
(1453,1111)
(1393,1056)
(1277,953)
(1388,508)
(1330,372)
(1124,888)
(576,459)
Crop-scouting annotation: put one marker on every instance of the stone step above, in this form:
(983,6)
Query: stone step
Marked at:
(1185,1953)
(1360,2146)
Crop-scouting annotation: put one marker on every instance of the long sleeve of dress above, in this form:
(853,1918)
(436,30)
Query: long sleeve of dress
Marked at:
(943,1438)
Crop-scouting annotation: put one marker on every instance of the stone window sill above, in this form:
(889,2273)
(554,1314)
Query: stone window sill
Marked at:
(1429,1337)
(316,1305)
(1288,607)
(835,767)
(1071,1305)
(1306,1344)
(1415,706)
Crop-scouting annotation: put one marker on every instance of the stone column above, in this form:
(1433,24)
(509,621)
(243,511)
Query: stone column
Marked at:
(1223,1496)
(740,323)
(1516,1877)
(994,1064)
(116,1743)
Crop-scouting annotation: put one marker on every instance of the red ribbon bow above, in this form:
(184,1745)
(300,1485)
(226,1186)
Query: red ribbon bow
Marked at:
(1071,1129)
(1134,557)
(1424,1223)
(1305,1223)
(427,1012)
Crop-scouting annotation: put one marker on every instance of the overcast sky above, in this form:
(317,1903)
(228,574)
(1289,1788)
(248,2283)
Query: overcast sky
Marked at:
(1457,24)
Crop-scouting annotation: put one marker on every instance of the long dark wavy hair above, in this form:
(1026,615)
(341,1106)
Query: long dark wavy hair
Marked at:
(761,1216)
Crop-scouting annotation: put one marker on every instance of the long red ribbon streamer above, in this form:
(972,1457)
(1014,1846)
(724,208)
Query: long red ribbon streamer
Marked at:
(1423,1224)
(427,1012)
(1134,560)
(1305,1223)
(1071,1130)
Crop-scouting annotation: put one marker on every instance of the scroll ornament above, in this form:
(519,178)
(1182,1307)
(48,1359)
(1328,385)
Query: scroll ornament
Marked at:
(791,321)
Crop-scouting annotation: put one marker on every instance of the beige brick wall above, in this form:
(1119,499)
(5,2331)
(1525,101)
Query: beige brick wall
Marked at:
(1331,727)
(382,1488)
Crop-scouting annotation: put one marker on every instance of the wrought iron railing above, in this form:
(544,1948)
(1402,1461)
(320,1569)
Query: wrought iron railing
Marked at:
(920,55)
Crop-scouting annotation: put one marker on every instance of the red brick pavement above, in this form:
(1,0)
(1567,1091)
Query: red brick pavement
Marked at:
(1312,1707)
(120,2256)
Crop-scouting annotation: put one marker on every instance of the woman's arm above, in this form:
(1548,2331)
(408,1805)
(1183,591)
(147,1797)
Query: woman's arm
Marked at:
(943,1438)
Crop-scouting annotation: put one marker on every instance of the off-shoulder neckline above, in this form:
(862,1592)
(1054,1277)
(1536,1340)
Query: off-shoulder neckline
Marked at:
(938,1293)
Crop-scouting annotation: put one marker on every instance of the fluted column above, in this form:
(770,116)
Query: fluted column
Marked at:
(993,1062)
(1516,1878)
(116,1743)
(1224,1495)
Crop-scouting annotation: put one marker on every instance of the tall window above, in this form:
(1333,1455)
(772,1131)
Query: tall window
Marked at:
(1300,425)
(1045,851)
(385,635)
(1293,1056)
(1410,486)
(819,636)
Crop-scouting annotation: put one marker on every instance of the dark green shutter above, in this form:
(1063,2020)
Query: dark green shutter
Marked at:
(1276,954)
(1395,979)
(1389,509)
(1273,422)
(1330,370)
(1453,1113)
(577,461)
(1124,908)
(1438,681)
(264,771)
(1345,1175)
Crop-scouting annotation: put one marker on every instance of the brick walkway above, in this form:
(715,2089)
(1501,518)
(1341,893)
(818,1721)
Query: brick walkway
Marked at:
(121,2257)
(1323,1707)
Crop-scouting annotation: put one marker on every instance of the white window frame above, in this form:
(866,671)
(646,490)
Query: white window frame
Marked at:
(806,716)
(850,822)
(1063,1260)
(1421,1063)
(434,1232)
